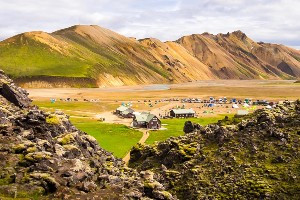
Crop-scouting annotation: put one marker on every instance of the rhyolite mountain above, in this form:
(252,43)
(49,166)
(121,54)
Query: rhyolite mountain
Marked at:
(92,56)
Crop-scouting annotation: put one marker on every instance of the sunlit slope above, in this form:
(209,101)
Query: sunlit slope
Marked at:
(92,56)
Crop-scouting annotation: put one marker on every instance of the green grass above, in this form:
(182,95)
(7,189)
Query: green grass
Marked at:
(27,57)
(78,108)
(158,70)
(118,139)
(38,59)
(175,127)
(82,57)
(115,138)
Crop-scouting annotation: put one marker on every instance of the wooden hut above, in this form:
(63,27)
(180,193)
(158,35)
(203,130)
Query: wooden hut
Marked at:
(146,120)
(182,113)
(125,112)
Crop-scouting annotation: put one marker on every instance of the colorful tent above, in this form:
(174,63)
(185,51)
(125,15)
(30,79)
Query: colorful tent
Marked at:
(245,105)
(235,106)
(269,107)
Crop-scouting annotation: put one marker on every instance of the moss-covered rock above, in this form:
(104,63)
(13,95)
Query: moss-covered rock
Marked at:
(19,148)
(256,158)
(53,120)
(66,139)
(37,156)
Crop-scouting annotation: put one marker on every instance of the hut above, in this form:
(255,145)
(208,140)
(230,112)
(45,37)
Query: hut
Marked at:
(182,113)
(146,120)
(128,113)
(125,112)
(120,109)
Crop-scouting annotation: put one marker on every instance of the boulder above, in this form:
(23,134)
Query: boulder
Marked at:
(188,127)
(12,93)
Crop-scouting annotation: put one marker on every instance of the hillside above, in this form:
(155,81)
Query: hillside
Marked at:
(235,56)
(255,157)
(92,56)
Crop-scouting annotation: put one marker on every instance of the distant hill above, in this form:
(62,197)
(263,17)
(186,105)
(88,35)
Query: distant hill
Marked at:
(92,56)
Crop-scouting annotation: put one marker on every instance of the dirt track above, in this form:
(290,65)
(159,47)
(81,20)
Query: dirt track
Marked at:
(141,141)
(113,119)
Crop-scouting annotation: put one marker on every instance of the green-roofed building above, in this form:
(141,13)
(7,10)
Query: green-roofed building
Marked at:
(146,120)
(125,112)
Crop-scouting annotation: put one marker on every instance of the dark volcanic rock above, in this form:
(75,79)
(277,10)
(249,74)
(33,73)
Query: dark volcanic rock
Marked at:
(257,158)
(12,93)
(188,127)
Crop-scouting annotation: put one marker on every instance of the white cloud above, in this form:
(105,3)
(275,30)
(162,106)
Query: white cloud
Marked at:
(263,20)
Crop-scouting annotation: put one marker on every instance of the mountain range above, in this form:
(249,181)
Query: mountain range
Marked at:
(92,56)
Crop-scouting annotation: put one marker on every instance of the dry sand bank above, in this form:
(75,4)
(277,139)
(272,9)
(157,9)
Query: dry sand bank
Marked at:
(261,89)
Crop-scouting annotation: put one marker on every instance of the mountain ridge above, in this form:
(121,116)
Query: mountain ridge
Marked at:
(110,59)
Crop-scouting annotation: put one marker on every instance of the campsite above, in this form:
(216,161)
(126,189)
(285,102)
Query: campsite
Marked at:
(86,107)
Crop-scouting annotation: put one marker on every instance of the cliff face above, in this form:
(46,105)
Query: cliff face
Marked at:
(256,157)
(42,155)
(92,56)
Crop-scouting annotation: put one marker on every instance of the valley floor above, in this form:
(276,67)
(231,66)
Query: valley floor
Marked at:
(269,89)
(92,104)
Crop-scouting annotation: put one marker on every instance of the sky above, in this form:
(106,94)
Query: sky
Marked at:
(275,21)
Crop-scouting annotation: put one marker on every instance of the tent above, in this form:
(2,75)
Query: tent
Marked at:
(245,105)
(269,107)
(52,100)
(235,106)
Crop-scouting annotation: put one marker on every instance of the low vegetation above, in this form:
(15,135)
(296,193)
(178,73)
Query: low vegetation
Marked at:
(79,108)
(174,127)
(40,60)
(118,139)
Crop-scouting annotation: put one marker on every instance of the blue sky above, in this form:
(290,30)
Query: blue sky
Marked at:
(263,20)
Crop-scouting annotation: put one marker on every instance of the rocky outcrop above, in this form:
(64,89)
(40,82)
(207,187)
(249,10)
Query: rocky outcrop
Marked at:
(189,127)
(42,155)
(255,157)
(12,93)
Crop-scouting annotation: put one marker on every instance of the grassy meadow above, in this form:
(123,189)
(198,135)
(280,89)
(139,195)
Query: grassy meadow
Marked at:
(40,60)
(115,138)
(77,108)
(175,127)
